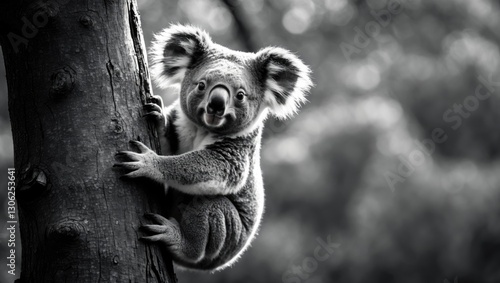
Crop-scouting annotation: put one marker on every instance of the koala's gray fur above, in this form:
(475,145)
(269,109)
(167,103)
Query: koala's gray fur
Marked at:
(211,141)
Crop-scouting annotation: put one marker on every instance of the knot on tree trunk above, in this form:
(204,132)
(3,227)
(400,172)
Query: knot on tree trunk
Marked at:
(63,81)
(86,21)
(65,231)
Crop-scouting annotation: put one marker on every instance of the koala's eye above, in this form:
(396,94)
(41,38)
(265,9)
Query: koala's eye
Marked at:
(201,86)
(240,95)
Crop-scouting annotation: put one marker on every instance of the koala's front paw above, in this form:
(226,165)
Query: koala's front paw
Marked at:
(164,230)
(154,112)
(156,99)
(142,164)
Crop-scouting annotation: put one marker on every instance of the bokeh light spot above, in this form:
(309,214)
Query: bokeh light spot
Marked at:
(220,19)
(367,77)
(297,20)
(340,12)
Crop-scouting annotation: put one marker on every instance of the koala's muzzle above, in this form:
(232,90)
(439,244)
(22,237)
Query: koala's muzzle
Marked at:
(217,100)
(216,106)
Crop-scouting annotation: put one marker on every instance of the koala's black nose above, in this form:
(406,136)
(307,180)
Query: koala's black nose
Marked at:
(217,100)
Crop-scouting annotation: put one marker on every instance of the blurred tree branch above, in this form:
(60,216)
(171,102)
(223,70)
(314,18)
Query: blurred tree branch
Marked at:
(239,17)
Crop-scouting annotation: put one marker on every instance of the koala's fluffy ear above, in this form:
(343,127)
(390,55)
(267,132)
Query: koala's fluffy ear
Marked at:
(287,80)
(174,50)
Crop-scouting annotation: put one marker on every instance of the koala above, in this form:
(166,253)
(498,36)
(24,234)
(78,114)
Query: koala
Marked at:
(210,140)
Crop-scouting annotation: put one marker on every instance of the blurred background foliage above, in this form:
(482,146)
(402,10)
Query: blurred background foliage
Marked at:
(349,169)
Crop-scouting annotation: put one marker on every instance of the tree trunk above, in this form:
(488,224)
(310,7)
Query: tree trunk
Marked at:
(77,78)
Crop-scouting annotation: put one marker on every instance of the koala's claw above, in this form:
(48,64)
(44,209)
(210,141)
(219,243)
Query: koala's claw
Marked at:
(141,164)
(127,155)
(154,107)
(154,113)
(156,218)
(157,229)
(152,110)
(149,107)
(156,100)
(165,230)
(140,146)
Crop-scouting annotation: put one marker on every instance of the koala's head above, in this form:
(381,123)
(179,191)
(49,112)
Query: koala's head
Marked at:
(223,90)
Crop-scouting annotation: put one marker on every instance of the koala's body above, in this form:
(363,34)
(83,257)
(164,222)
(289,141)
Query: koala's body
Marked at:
(211,141)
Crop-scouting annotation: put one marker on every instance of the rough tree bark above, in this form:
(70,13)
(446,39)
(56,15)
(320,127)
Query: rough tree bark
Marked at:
(77,77)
